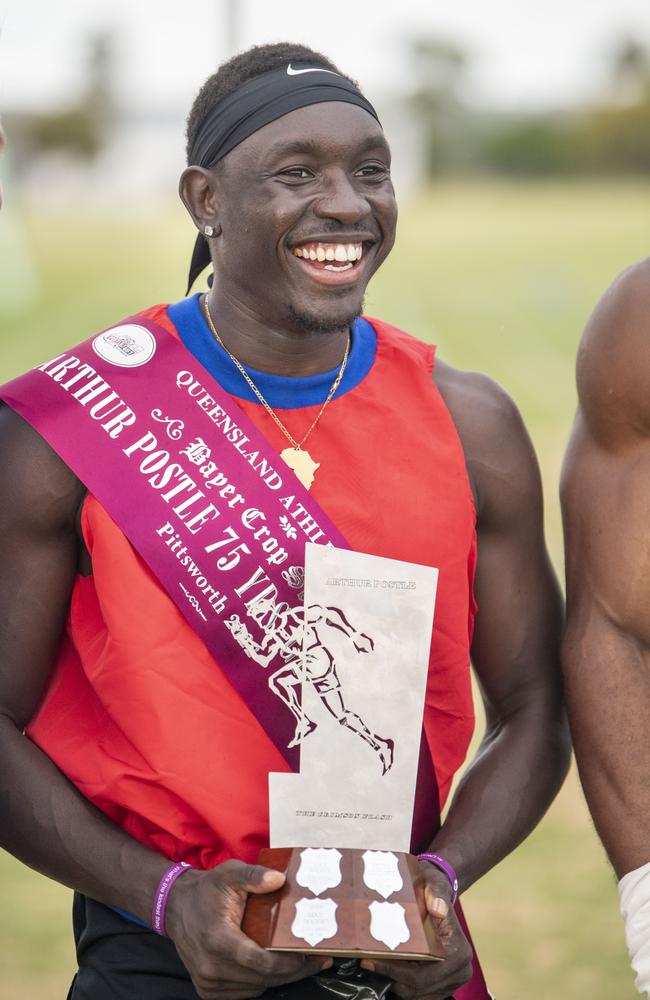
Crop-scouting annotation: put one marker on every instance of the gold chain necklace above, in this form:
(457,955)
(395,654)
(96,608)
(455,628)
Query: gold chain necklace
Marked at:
(296,457)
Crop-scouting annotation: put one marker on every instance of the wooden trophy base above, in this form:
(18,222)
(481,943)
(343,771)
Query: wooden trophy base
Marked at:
(346,902)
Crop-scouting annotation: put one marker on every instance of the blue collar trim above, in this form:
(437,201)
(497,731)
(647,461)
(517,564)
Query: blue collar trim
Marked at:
(280,391)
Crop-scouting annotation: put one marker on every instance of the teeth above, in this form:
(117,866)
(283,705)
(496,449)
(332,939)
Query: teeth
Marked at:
(340,252)
(346,267)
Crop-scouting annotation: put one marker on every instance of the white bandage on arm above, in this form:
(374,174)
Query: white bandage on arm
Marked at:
(634,896)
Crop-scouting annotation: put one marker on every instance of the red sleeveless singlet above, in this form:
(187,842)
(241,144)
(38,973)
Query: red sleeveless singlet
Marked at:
(138,715)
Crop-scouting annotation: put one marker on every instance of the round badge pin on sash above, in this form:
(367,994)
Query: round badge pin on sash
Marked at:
(298,460)
(126,346)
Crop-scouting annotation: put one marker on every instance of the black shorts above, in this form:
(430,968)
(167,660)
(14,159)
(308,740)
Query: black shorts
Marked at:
(119,960)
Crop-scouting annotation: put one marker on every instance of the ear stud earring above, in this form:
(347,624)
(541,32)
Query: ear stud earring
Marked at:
(208,230)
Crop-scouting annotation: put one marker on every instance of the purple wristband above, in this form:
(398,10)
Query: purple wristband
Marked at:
(162,895)
(444,866)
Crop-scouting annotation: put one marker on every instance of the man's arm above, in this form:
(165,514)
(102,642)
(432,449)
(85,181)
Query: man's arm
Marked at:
(606,505)
(524,756)
(362,642)
(44,820)
(525,752)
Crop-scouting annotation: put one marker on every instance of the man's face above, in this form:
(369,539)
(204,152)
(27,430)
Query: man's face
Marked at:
(307,214)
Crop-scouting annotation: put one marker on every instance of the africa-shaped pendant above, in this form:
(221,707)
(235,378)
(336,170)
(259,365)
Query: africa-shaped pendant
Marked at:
(302,464)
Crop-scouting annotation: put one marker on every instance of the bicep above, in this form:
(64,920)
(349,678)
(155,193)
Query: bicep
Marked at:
(606,509)
(606,650)
(39,498)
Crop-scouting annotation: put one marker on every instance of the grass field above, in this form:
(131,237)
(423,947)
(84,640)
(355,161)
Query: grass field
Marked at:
(502,278)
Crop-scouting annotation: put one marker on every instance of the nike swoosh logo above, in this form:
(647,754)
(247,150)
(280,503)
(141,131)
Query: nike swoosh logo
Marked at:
(315,69)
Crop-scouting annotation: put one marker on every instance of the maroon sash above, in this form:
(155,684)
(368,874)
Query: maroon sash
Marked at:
(194,486)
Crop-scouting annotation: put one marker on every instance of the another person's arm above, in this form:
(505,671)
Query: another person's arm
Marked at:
(44,820)
(606,503)
(606,650)
(524,755)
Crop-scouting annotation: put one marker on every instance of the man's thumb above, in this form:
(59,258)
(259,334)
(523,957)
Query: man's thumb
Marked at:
(437,907)
(258,879)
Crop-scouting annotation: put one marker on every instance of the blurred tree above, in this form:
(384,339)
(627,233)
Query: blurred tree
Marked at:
(438,67)
(80,128)
(73,129)
(619,138)
(530,146)
(612,137)
(99,86)
(615,134)
(630,71)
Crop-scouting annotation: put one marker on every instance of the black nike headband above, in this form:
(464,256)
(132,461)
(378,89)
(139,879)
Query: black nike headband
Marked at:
(252,106)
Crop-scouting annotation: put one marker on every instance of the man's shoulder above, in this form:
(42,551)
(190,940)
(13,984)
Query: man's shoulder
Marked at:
(466,393)
(26,456)
(479,406)
(484,413)
(157,314)
(499,455)
(613,366)
(473,389)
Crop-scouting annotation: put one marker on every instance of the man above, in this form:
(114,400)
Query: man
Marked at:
(607,643)
(140,751)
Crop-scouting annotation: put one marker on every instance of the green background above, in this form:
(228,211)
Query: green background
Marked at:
(502,278)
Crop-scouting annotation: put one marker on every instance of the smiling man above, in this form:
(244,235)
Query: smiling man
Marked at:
(150,495)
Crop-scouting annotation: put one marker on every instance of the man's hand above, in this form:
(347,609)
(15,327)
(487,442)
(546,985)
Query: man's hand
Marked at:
(363,643)
(433,980)
(203,919)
